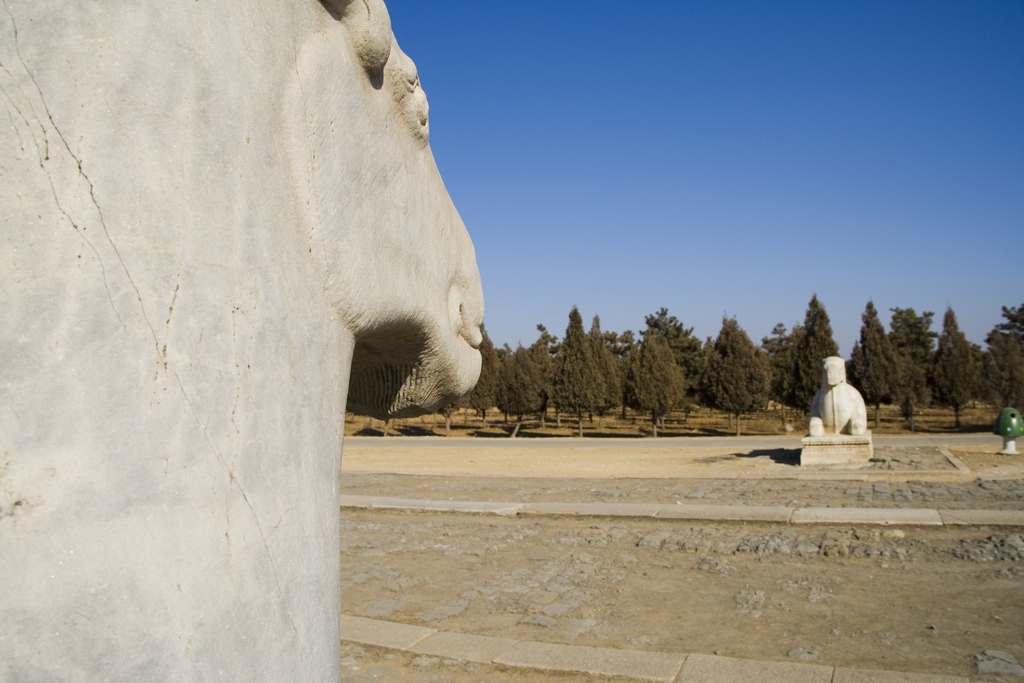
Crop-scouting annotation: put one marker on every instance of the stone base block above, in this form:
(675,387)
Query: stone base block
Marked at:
(837,449)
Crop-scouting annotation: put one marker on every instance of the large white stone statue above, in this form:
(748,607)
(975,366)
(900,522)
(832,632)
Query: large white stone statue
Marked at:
(837,408)
(839,420)
(214,214)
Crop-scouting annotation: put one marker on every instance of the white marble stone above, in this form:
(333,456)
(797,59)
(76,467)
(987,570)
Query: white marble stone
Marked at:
(839,419)
(836,449)
(837,408)
(214,214)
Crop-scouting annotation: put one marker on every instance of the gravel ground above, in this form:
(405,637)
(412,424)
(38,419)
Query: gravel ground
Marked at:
(996,494)
(913,599)
(922,599)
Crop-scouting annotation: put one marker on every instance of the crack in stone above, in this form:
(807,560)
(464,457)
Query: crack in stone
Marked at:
(45,153)
(44,156)
(259,527)
(10,104)
(92,197)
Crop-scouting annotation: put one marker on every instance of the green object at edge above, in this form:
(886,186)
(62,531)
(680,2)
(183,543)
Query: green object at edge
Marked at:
(1009,423)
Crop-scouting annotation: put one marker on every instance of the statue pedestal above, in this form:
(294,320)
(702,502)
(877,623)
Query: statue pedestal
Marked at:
(836,449)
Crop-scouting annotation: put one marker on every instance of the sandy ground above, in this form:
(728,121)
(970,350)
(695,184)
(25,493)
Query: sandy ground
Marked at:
(916,599)
(909,599)
(551,462)
(637,461)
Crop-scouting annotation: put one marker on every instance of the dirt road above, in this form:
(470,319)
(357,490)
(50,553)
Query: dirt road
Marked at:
(916,599)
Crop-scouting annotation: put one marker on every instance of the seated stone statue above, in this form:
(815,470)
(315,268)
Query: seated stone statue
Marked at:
(837,408)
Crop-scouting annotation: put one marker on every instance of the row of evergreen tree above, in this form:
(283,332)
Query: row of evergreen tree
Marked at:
(669,368)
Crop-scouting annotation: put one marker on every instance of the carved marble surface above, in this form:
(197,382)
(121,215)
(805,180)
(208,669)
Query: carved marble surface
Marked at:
(214,215)
(837,408)
(838,426)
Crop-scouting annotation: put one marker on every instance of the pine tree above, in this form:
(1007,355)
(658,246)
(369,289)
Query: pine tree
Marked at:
(578,386)
(482,398)
(543,352)
(815,345)
(622,347)
(912,336)
(737,377)
(519,386)
(873,365)
(654,383)
(1004,370)
(910,387)
(608,368)
(687,349)
(956,373)
(779,348)
(448,410)
(1014,322)
(912,340)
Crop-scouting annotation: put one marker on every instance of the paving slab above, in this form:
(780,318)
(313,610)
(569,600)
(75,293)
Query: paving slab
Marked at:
(654,666)
(868,676)
(750,513)
(983,517)
(480,506)
(468,648)
(359,501)
(592,509)
(954,461)
(831,476)
(503,509)
(709,668)
(382,633)
(909,516)
(772,513)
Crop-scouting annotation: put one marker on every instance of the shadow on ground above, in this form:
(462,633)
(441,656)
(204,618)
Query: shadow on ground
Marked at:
(782,456)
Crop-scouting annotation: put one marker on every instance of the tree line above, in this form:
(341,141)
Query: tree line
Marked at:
(668,368)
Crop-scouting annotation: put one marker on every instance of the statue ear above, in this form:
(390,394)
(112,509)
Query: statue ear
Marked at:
(369,27)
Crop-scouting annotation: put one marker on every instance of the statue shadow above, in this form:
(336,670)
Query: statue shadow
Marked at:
(781,456)
(414,430)
(710,431)
(405,430)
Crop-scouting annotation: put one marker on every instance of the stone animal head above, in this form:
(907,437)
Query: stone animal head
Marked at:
(377,199)
(221,220)
(833,372)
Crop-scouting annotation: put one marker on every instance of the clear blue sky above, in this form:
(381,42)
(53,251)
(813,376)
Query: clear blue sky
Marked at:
(730,158)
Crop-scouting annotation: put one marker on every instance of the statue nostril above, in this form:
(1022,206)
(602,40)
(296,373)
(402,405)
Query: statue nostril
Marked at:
(459,317)
(472,335)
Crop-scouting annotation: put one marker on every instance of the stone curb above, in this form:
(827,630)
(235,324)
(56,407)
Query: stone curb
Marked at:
(870,676)
(909,516)
(707,513)
(982,517)
(600,661)
(954,461)
(592,509)
(729,513)
(465,647)
(382,633)
(703,668)
(603,661)
(384,503)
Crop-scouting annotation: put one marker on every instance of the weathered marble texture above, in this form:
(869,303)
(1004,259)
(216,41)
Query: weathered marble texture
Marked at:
(213,214)
(837,408)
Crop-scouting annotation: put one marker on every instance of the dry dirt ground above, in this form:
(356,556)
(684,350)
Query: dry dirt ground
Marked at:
(918,599)
(699,422)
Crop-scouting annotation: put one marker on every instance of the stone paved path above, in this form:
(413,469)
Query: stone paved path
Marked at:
(467,578)
(1001,494)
